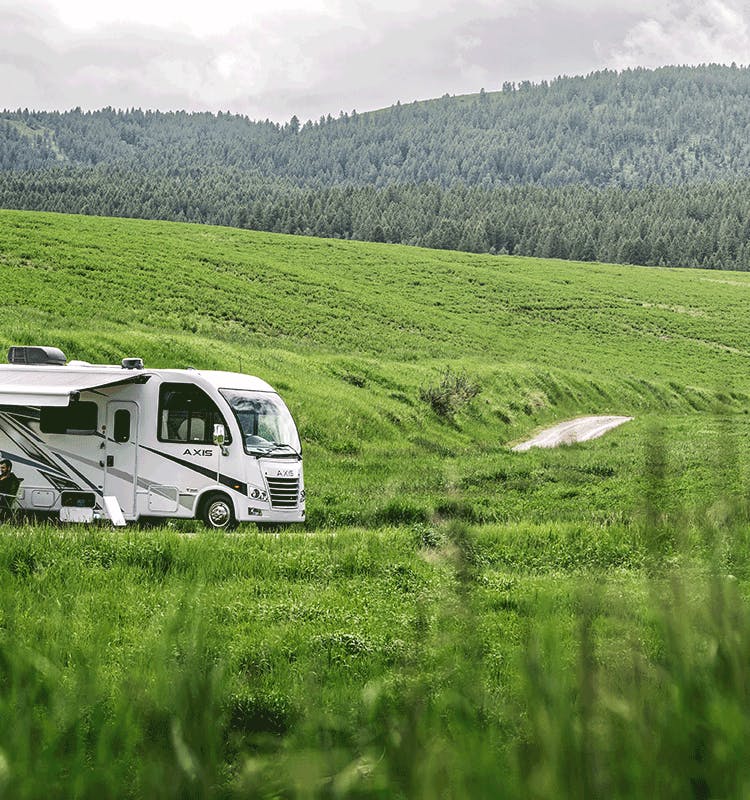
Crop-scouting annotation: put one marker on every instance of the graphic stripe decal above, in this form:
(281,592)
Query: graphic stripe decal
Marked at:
(36,455)
(224,480)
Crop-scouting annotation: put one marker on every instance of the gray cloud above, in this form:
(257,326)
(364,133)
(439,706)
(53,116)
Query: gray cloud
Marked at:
(352,55)
(682,32)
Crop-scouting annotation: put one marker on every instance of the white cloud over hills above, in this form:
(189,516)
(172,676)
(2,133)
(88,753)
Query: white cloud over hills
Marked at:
(323,56)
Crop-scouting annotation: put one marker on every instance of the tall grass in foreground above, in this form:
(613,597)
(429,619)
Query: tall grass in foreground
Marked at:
(665,713)
(158,666)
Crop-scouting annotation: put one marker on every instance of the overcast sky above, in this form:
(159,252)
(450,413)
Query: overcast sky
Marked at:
(316,57)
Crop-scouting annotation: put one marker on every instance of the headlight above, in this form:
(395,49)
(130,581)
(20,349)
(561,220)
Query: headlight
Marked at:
(257,494)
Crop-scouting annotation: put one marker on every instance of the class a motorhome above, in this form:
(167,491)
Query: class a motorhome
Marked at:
(126,443)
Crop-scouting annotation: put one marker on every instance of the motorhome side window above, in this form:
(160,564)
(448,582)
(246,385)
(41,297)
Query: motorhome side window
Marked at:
(77,418)
(187,414)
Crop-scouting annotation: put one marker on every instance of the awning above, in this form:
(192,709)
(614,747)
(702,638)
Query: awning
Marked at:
(54,386)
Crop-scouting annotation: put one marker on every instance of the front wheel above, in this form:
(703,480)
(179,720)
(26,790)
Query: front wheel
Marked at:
(217,513)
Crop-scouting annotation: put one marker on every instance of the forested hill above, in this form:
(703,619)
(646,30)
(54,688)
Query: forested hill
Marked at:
(638,127)
(643,166)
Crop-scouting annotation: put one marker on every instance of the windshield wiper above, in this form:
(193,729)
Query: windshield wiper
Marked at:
(280,446)
(266,448)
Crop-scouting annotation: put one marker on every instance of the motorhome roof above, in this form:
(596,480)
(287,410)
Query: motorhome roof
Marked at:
(232,380)
(216,378)
(41,374)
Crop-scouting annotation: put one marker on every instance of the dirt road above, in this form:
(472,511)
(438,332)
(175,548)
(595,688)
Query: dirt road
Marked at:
(572,431)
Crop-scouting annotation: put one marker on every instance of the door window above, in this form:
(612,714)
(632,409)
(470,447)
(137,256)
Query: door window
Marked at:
(121,431)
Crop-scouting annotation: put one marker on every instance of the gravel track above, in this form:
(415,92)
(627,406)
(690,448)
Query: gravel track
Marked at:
(572,431)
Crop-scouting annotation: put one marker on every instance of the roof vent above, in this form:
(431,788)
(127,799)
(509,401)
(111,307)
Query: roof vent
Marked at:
(37,356)
(132,363)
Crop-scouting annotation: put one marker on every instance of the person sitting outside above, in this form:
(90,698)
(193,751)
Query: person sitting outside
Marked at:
(9,484)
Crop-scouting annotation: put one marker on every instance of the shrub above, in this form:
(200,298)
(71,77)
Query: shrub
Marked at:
(451,394)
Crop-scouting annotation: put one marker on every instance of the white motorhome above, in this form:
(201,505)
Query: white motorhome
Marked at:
(126,443)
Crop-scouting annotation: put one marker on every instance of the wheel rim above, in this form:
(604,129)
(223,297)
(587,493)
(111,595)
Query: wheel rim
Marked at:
(219,514)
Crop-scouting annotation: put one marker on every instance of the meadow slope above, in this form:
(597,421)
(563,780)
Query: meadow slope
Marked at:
(352,333)
(455,619)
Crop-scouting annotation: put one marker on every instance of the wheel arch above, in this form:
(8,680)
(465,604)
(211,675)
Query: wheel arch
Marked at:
(208,495)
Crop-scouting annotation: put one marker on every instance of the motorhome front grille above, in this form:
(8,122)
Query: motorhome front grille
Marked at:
(284,492)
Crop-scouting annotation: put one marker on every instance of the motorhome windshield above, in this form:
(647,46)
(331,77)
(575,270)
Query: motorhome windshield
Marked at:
(266,424)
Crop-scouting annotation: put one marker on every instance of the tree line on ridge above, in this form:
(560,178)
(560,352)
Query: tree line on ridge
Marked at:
(643,166)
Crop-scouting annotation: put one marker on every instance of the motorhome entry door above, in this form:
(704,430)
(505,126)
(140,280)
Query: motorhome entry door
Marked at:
(120,461)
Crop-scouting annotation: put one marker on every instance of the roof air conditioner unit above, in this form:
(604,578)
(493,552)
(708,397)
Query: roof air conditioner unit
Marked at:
(37,356)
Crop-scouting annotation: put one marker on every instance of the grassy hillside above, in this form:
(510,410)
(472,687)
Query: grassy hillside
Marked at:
(120,280)
(352,334)
(455,619)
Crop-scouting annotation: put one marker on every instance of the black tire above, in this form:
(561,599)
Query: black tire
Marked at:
(217,512)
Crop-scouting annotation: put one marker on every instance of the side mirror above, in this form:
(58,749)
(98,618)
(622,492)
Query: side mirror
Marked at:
(220,437)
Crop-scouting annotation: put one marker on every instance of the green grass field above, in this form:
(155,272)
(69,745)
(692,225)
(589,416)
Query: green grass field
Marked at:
(454,619)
